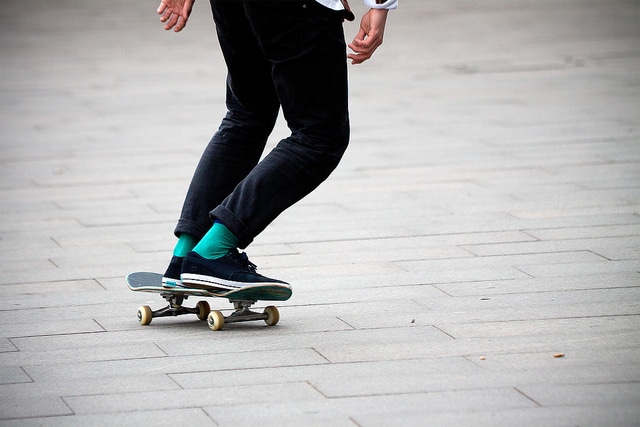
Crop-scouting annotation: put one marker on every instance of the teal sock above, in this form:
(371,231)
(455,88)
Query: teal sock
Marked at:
(186,243)
(218,241)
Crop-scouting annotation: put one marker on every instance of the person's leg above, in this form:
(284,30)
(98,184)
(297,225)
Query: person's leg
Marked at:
(171,277)
(236,147)
(252,106)
(305,44)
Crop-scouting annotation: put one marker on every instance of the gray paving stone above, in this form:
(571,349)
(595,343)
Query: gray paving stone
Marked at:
(87,354)
(586,232)
(124,368)
(13,375)
(15,408)
(592,394)
(148,400)
(399,377)
(430,372)
(60,327)
(543,300)
(533,285)
(621,247)
(481,315)
(625,266)
(130,384)
(579,326)
(7,346)
(316,340)
(476,348)
(394,406)
(56,305)
(162,417)
(52,287)
(557,416)
(611,358)
(15,197)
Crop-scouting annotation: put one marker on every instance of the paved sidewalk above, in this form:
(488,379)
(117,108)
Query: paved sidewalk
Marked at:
(485,220)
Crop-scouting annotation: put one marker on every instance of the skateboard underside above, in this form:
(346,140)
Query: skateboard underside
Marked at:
(242,301)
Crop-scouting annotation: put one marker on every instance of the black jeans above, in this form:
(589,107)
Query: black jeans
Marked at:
(288,54)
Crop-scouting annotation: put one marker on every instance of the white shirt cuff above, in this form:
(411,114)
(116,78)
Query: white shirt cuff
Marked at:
(381,4)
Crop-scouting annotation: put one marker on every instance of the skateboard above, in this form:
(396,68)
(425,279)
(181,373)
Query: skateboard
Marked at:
(242,300)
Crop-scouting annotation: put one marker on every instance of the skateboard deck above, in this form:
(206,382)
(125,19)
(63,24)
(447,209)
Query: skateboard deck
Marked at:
(242,299)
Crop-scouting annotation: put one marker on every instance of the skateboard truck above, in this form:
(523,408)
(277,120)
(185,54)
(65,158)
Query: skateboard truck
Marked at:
(174,308)
(242,313)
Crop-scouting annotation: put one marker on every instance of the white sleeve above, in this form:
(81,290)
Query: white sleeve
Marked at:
(381,4)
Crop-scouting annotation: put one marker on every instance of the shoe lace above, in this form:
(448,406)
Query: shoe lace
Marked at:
(243,259)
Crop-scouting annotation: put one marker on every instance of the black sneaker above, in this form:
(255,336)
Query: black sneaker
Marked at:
(171,277)
(232,271)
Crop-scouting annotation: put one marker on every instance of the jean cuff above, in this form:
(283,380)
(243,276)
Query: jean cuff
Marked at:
(234,224)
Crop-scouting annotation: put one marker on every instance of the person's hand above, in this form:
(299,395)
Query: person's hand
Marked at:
(370,36)
(175,13)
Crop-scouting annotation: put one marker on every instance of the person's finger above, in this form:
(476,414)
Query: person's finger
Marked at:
(181,24)
(173,20)
(359,38)
(362,46)
(166,14)
(359,57)
(357,46)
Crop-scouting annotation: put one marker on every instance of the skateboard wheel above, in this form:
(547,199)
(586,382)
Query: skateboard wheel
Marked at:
(273,316)
(203,310)
(215,320)
(145,315)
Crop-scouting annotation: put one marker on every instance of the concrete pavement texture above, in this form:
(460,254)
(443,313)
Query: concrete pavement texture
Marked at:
(474,260)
